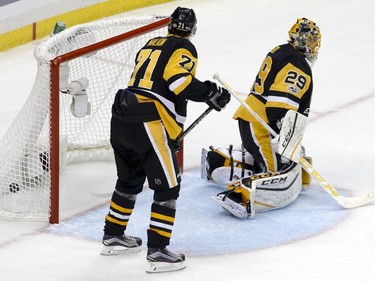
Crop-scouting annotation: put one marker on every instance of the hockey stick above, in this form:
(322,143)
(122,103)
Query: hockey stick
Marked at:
(178,139)
(195,123)
(244,104)
(346,202)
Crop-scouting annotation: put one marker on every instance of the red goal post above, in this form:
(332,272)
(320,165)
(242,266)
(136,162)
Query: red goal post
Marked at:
(55,77)
(66,117)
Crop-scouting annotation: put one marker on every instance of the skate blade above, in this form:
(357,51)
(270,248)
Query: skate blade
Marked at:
(158,267)
(118,250)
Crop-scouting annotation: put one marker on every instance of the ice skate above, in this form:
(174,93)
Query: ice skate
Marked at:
(163,260)
(120,245)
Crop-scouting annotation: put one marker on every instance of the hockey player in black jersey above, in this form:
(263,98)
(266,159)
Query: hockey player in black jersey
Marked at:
(146,117)
(284,82)
(259,178)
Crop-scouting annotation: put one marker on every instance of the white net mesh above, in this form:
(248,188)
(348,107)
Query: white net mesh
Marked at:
(25,147)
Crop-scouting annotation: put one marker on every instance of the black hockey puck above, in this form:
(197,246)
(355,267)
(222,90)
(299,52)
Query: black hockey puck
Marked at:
(14,187)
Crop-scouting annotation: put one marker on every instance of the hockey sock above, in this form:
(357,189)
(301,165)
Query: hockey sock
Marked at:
(120,209)
(161,223)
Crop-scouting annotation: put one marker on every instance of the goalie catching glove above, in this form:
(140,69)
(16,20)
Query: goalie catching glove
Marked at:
(218,97)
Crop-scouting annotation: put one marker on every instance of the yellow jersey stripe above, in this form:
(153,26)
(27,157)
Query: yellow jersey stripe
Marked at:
(158,138)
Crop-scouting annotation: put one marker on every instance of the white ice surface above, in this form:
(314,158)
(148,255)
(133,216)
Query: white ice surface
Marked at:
(233,37)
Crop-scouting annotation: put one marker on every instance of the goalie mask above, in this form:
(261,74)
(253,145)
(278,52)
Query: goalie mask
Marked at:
(305,37)
(183,22)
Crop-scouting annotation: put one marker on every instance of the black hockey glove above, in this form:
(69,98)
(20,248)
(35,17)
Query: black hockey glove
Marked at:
(218,97)
(176,145)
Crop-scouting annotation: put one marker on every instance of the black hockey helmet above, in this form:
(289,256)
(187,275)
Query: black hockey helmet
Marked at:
(183,22)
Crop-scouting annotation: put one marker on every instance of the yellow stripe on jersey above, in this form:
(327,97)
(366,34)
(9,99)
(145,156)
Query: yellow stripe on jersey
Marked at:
(291,80)
(180,62)
(275,49)
(256,105)
(169,122)
(159,140)
(162,217)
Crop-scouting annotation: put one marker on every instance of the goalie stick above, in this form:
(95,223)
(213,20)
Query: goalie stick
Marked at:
(346,202)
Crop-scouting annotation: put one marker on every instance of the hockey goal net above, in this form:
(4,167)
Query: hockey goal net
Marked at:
(67,114)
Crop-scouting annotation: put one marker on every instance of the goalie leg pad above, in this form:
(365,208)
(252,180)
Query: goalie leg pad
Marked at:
(235,208)
(275,190)
(238,201)
(224,166)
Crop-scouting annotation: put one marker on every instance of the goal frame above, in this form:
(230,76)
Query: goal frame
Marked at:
(55,103)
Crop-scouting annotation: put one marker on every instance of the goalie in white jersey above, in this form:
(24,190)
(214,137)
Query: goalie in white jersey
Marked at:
(264,173)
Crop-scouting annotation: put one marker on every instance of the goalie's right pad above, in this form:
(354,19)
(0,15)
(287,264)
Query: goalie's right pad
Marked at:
(239,201)
(262,192)
(224,166)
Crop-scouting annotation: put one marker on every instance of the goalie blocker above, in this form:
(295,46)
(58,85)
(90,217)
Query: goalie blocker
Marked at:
(248,193)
